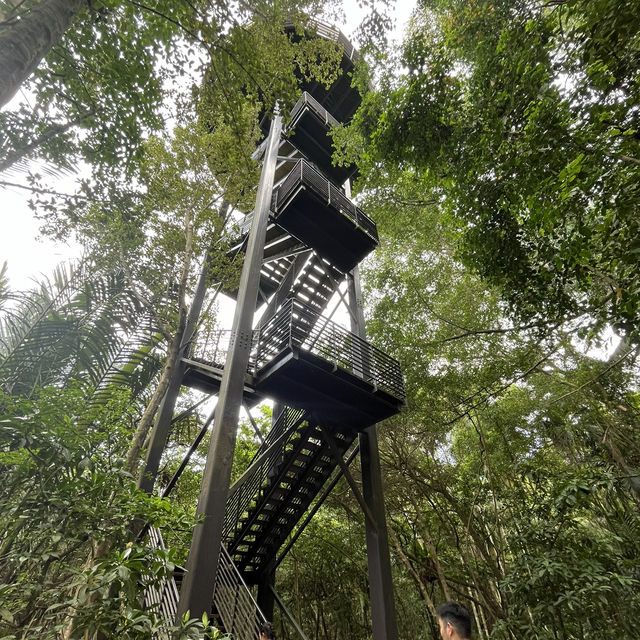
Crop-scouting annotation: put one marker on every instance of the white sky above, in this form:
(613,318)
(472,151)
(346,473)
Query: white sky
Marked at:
(29,255)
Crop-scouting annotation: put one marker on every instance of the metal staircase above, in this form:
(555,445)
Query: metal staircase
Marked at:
(268,501)
(331,384)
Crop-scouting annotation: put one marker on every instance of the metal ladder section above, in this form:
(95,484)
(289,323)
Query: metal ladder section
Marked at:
(233,602)
(266,503)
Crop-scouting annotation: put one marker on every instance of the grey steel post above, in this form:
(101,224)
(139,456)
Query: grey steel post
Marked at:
(265,598)
(383,609)
(196,594)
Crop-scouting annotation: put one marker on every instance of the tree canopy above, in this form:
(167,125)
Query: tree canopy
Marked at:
(519,120)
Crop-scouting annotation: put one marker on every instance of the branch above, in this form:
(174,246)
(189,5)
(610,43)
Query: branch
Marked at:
(193,35)
(51,132)
(504,387)
(473,332)
(46,192)
(597,377)
(414,203)
(412,572)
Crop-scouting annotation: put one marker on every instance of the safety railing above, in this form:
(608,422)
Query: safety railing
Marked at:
(233,602)
(308,102)
(304,174)
(298,326)
(213,348)
(331,33)
(270,456)
(232,599)
(163,597)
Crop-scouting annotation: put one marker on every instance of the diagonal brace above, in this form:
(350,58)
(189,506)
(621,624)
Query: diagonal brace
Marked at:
(335,454)
(288,614)
(253,422)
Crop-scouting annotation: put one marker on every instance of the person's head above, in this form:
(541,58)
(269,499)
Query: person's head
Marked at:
(454,621)
(267,632)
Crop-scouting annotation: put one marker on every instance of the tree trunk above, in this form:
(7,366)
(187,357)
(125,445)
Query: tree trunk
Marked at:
(412,572)
(146,421)
(173,356)
(25,41)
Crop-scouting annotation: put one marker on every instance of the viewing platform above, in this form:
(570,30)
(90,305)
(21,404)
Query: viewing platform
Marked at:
(340,99)
(306,360)
(317,212)
(309,131)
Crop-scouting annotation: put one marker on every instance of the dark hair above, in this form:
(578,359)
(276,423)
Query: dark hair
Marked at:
(458,616)
(266,630)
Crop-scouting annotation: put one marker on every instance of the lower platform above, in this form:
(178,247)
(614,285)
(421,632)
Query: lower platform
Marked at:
(207,376)
(331,395)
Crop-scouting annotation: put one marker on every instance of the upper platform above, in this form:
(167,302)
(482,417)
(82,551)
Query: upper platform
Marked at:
(309,131)
(341,100)
(317,212)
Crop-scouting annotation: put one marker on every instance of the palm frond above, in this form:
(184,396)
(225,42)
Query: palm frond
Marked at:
(133,365)
(72,327)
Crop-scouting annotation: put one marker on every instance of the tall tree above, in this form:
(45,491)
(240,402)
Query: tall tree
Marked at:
(98,76)
(25,40)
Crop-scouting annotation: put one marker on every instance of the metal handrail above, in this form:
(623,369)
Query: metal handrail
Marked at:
(296,326)
(233,601)
(270,455)
(164,597)
(331,33)
(214,349)
(307,101)
(304,174)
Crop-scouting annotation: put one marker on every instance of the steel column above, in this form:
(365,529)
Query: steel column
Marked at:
(160,431)
(196,594)
(383,610)
(266,600)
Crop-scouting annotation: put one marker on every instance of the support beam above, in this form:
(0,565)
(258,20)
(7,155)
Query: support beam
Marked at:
(337,458)
(196,594)
(256,429)
(267,582)
(383,611)
(266,587)
(192,449)
(288,615)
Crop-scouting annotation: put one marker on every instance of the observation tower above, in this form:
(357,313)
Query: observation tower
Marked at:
(330,387)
